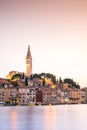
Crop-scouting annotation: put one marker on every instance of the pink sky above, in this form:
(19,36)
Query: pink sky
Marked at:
(56,31)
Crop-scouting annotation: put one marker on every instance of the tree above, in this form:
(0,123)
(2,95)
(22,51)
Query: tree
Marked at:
(16,76)
(31,77)
(60,80)
(35,75)
(23,76)
(43,82)
(42,75)
(49,75)
(71,82)
(77,86)
(26,81)
(54,79)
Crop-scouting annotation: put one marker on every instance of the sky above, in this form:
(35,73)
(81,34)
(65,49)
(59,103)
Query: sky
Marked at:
(56,31)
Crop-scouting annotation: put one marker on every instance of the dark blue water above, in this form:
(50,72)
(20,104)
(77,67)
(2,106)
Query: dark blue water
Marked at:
(61,117)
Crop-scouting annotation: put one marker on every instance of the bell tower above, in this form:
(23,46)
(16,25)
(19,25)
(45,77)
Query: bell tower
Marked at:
(28,62)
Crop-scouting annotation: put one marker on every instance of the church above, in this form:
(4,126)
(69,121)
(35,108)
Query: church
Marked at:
(28,66)
(28,63)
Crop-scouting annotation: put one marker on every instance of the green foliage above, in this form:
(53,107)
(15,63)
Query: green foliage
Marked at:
(60,80)
(23,76)
(16,76)
(31,77)
(36,76)
(42,76)
(43,82)
(77,86)
(26,81)
(71,82)
(53,79)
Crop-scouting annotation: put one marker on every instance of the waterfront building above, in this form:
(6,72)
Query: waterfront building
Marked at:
(49,95)
(13,95)
(58,91)
(62,97)
(1,96)
(9,95)
(5,95)
(58,94)
(32,96)
(75,95)
(66,96)
(23,95)
(83,96)
(39,98)
(86,95)
(46,95)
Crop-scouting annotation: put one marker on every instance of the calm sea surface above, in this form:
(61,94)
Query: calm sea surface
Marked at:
(61,117)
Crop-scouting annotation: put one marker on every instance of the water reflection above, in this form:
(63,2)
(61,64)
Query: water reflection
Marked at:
(50,114)
(61,117)
(14,119)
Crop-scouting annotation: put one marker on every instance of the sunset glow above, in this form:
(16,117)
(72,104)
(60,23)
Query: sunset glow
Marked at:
(56,31)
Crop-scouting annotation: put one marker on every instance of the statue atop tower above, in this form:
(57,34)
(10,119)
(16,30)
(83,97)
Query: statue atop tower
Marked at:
(28,62)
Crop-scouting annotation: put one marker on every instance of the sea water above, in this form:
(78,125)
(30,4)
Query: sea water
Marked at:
(59,117)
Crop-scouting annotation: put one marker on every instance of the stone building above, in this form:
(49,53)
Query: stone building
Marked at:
(23,95)
(28,63)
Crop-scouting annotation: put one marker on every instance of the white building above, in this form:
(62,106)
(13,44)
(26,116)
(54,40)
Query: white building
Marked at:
(32,96)
(23,95)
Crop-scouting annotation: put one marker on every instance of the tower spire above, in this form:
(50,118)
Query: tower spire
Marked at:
(28,52)
(28,62)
